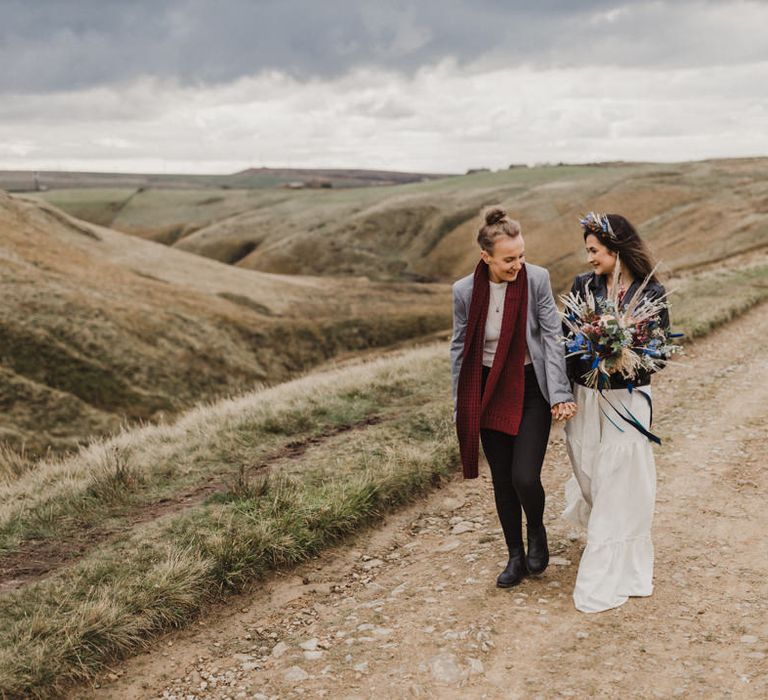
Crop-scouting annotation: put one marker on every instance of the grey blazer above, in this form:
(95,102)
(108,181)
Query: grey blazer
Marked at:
(543,334)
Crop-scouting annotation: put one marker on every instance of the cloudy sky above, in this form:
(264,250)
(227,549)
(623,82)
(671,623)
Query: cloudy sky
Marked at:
(429,85)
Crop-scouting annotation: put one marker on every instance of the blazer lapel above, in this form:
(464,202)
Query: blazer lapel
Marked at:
(532,312)
(471,324)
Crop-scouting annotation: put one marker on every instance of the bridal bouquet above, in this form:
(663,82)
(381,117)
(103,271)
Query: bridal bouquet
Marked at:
(617,340)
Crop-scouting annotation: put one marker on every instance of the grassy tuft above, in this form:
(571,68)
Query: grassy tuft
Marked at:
(70,639)
(244,487)
(114,478)
(13,463)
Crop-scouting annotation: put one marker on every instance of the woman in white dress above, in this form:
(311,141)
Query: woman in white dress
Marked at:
(613,489)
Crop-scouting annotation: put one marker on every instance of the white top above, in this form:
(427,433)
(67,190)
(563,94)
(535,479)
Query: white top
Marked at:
(493,323)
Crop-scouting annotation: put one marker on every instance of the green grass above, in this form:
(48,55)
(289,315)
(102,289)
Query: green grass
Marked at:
(65,628)
(97,205)
(109,479)
(708,300)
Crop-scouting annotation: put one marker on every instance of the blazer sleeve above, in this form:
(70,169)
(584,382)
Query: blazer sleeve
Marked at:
(554,353)
(457,340)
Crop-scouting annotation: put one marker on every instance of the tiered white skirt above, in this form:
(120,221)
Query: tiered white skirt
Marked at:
(612,494)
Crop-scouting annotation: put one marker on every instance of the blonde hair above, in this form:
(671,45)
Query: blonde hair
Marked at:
(497,224)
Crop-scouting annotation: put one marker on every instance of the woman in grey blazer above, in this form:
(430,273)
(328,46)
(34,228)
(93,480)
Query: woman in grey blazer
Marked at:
(509,379)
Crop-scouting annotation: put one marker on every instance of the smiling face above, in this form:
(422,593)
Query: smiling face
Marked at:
(506,260)
(602,260)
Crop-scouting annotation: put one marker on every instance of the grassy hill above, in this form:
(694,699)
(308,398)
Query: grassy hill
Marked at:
(97,327)
(106,548)
(693,214)
(133,535)
(118,327)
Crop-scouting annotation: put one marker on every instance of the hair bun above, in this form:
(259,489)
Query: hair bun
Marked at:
(494,215)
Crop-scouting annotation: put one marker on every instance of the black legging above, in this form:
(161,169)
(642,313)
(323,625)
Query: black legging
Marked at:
(516,460)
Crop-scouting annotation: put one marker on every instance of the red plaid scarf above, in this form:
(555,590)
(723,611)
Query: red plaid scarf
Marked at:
(501,407)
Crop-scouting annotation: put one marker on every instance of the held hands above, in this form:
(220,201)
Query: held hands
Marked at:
(564,410)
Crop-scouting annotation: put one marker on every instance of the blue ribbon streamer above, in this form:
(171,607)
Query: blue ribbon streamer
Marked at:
(632,420)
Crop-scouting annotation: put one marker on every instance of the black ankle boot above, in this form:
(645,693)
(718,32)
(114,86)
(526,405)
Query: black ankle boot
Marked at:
(538,552)
(515,570)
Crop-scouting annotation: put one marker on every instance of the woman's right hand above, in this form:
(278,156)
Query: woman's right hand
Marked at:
(564,410)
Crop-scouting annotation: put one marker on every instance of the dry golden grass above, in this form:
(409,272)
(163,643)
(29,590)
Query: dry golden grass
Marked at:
(162,573)
(98,327)
(205,441)
(708,298)
(691,213)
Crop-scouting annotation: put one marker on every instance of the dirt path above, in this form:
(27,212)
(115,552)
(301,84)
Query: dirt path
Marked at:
(411,610)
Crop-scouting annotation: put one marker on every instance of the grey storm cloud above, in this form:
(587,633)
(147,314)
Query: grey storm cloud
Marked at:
(49,45)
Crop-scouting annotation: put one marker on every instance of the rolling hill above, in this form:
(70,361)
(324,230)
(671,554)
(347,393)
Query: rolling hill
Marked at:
(107,548)
(691,213)
(103,326)
(98,327)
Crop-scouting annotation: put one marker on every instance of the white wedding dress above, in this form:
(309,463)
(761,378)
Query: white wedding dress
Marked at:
(612,494)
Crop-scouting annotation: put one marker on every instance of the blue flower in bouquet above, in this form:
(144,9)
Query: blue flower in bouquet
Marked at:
(615,335)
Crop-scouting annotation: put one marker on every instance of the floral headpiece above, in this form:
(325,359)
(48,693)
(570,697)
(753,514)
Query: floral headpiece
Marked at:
(599,224)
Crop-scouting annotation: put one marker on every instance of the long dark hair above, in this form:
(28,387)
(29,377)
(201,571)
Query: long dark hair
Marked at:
(632,250)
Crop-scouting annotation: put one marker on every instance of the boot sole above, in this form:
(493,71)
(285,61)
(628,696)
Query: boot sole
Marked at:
(508,585)
(537,572)
(512,585)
